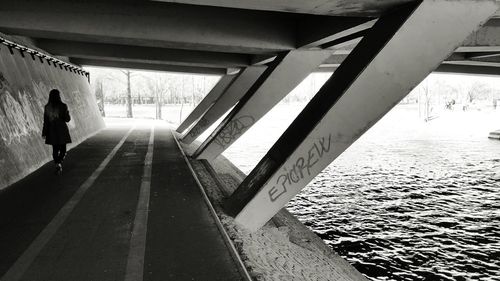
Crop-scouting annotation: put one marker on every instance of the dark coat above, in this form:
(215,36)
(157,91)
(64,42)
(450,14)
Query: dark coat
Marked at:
(55,129)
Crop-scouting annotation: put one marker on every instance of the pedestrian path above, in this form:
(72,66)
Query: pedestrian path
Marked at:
(127,207)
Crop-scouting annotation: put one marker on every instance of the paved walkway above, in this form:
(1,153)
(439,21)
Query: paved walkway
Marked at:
(126,208)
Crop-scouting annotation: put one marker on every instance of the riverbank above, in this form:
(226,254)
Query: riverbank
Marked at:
(284,249)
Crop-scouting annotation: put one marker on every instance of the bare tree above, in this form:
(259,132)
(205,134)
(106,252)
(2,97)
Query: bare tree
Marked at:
(98,82)
(182,100)
(158,85)
(424,102)
(477,90)
(99,92)
(128,75)
(139,98)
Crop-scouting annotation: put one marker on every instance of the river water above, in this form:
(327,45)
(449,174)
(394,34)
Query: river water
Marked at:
(410,200)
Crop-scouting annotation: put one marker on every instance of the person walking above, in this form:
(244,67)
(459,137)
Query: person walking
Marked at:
(55,130)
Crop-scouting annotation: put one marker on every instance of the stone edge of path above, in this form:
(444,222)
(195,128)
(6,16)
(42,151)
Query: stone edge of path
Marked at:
(227,240)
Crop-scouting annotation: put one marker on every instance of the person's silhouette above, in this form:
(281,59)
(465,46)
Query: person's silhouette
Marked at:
(55,131)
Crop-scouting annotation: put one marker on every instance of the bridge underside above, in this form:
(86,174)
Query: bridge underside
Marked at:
(216,36)
(377,50)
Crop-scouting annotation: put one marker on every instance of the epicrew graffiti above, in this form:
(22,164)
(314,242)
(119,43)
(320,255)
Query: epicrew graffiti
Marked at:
(301,167)
(3,81)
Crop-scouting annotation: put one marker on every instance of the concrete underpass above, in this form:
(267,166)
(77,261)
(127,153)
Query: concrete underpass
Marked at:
(145,201)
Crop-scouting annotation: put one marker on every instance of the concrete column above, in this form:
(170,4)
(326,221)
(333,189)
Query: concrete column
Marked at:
(233,93)
(207,101)
(402,48)
(281,77)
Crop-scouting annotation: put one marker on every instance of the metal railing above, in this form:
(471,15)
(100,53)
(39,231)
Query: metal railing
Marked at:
(42,57)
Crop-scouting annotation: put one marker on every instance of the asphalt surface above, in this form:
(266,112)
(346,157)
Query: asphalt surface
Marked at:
(52,229)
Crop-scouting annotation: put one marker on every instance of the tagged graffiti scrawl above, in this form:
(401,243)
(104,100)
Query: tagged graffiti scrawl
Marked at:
(3,83)
(198,128)
(20,114)
(233,130)
(300,168)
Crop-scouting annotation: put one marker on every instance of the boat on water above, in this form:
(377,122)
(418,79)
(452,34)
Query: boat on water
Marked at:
(495,135)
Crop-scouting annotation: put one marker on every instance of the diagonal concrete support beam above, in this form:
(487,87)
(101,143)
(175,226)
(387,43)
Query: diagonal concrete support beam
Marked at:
(402,48)
(482,55)
(281,77)
(318,31)
(474,63)
(207,102)
(262,59)
(468,69)
(233,93)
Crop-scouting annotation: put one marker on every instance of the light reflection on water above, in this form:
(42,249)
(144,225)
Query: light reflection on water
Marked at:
(409,200)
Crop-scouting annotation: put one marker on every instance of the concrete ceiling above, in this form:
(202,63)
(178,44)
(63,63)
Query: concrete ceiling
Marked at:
(355,8)
(359,8)
(210,36)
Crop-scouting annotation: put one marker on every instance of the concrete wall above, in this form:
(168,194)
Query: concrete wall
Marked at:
(24,89)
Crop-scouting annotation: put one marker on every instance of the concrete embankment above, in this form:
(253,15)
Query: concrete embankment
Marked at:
(25,82)
(284,249)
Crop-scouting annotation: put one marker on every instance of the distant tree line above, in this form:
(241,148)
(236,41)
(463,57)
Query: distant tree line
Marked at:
(128,87)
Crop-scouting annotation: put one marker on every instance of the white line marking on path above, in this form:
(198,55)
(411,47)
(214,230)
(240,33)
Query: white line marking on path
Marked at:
(18,269)
(137,250)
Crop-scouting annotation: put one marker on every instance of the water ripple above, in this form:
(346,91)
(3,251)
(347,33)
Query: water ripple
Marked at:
(409,200)
(420,222)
